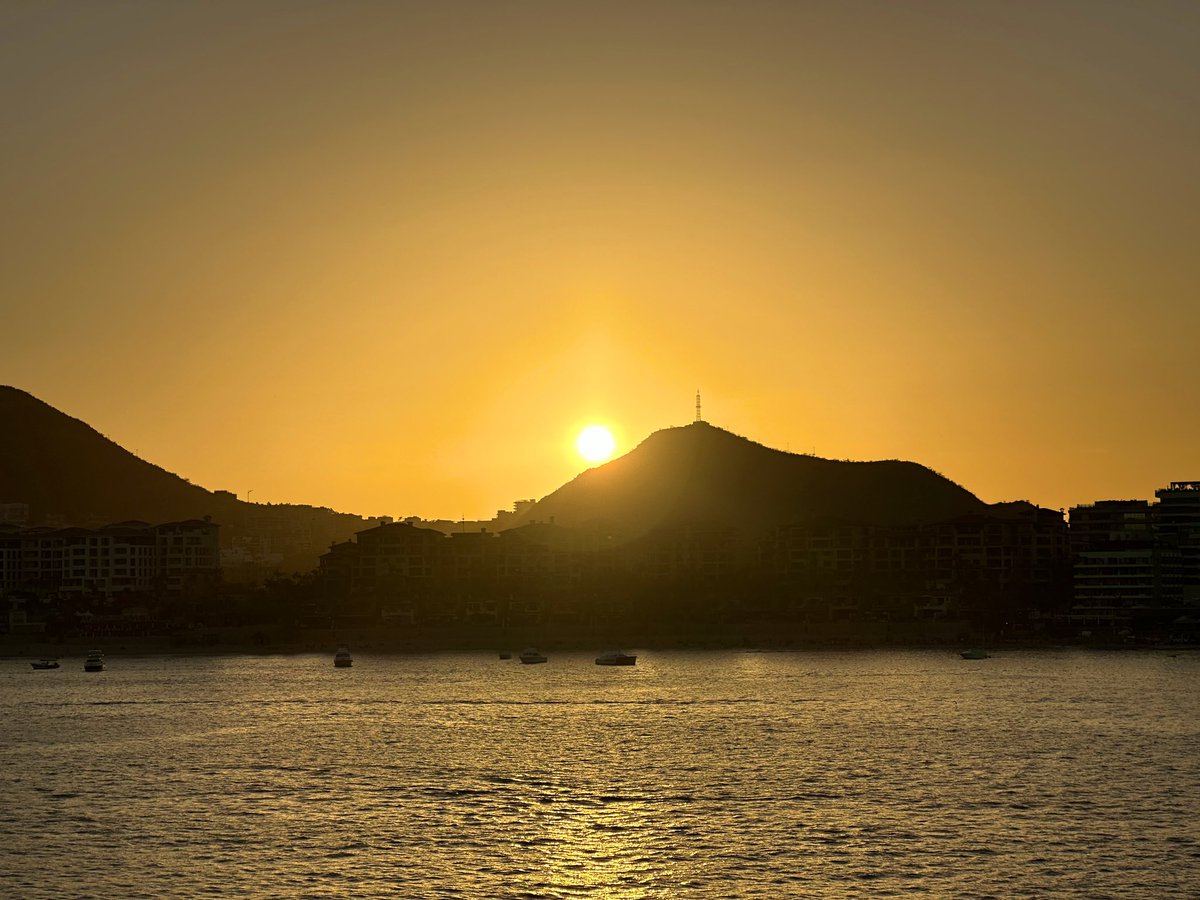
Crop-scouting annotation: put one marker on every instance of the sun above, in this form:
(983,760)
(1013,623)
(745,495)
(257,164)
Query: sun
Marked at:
(595,443)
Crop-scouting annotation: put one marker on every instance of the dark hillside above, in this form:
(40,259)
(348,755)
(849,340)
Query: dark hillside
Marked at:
(64,468)
(60,465)
(703,473)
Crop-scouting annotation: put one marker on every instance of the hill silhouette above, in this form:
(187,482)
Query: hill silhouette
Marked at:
(701,473)
(60,465)
(64,468)
(697,473)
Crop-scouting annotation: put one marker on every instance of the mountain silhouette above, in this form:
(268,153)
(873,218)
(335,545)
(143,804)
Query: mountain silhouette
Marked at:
(704,474)
(62,466)
(697,473)
(65,469)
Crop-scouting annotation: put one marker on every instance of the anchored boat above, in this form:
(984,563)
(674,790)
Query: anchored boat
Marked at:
(616,658)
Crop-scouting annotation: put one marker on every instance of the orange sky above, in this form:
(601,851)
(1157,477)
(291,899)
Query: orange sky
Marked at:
(388,257)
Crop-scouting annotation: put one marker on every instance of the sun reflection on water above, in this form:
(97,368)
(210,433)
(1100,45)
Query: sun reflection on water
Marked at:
(603,847)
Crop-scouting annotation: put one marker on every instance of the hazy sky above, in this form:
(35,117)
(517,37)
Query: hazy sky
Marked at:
(389,257)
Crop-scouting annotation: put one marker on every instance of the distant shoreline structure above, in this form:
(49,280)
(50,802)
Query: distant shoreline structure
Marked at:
(949,638)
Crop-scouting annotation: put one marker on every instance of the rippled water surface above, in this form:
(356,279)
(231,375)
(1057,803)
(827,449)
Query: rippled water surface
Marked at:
(705,774)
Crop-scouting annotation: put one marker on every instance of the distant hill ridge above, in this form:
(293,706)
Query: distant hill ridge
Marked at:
(702,473)
(60,465)
(697,473)
(65,468)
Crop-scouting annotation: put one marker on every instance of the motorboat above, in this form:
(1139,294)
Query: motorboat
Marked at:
(529,656)
(975,653)
(616,658)
(94,662)
(45,664)
(504,654)
(342,659)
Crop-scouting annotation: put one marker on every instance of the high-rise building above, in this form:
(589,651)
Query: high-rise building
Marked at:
(1177,521)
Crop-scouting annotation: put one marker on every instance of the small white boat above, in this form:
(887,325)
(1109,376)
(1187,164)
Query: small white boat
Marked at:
(974,653)
(342,659)
(45,664)
(94,662)
(529,656)
(616,658)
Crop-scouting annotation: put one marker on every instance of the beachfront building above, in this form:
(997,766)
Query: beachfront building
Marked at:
(1130,567)
(1010,562)
(125,557)
(1177,522)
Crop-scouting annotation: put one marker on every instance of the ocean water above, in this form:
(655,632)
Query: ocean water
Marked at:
(692,774)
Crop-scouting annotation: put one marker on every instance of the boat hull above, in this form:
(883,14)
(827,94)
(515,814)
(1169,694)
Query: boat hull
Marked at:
(616,658)
(530,656)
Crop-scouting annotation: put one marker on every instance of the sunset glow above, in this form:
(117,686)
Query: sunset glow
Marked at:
(595,443)
(383,234)
(542,448)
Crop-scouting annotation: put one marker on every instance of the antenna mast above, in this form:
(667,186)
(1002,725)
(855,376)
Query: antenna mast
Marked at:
(698,419)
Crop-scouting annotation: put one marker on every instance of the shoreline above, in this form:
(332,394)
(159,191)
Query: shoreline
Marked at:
(487,639)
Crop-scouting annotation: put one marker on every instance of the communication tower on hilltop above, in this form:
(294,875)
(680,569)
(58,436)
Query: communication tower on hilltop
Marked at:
(698,419)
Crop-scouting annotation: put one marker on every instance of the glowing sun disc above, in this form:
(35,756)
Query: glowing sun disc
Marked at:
(595,443)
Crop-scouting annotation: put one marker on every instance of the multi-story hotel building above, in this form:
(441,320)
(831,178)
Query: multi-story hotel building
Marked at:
(1137,561)
(124,557)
